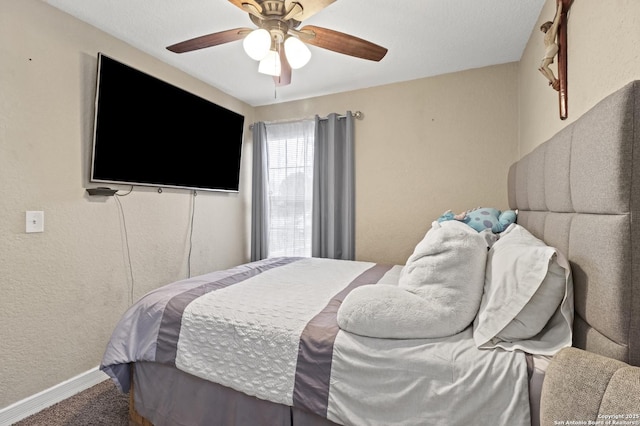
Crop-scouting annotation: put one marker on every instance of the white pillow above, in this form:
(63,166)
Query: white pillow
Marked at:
(538,310)
(447,270)
(438,291)
(528,296)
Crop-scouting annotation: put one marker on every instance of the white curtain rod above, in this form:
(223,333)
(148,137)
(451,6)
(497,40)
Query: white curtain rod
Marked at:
(357,115)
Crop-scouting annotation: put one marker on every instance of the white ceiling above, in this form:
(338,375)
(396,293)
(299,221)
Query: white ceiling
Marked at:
(424,38)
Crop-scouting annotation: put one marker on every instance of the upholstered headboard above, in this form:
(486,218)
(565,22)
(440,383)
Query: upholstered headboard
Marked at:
(580,192)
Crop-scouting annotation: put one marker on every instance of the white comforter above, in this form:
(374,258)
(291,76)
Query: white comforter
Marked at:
(269,329)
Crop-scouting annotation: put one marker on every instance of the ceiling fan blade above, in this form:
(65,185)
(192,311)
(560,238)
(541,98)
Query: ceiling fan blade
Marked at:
(209,40)
(250,6)
(285,71)
(341,43)
(309,7)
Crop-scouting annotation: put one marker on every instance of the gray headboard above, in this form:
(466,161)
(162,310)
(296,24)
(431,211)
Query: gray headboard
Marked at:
(580,192)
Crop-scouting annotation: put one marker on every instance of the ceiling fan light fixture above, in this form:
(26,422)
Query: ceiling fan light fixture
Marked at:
(257,44)
(277,43)
(270,64)
(298,54)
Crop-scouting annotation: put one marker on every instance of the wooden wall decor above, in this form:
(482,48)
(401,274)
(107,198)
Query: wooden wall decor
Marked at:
(555,42)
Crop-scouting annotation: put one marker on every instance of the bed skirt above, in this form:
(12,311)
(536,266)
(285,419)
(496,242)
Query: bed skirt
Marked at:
(165,396)
(162,396)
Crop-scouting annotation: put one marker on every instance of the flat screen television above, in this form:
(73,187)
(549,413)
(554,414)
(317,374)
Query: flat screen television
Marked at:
(149,132)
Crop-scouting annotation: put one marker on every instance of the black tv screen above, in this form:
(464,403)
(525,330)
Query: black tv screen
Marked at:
(149,132)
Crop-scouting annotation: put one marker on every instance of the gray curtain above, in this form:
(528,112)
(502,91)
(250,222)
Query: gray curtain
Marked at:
(333,217)
(259,194)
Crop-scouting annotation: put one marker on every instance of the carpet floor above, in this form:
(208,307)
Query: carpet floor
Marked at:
(100,405)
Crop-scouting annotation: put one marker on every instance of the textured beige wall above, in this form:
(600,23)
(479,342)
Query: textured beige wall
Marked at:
(62,291)
(423,147)
(603,55)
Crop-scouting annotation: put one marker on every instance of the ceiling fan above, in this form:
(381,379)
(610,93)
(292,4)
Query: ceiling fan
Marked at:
(278,43)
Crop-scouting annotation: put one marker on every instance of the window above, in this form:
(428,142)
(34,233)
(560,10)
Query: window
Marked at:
(290,197)
(303,197)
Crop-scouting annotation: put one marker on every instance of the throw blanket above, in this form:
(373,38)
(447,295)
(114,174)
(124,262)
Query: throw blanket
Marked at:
(269,329)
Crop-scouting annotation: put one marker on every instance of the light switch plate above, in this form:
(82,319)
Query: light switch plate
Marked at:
(34,221)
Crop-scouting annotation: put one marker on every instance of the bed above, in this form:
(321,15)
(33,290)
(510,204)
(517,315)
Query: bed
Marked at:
(207,351)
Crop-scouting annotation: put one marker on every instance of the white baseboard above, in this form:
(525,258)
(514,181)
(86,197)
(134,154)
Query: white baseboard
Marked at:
(38,402)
